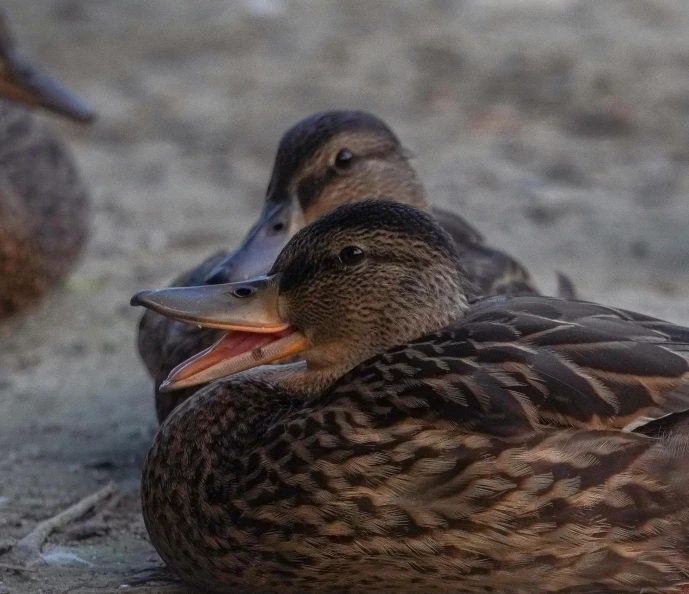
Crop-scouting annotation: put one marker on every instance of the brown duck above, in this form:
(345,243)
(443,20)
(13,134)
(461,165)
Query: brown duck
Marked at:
(326,160)
(509,445)
(44,205)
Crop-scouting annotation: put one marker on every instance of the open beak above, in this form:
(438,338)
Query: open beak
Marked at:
(249,308)
(21,82)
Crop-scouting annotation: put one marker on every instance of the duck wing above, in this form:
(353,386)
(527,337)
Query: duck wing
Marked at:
(491,271)
(515,365)
(458,228)
(583,364)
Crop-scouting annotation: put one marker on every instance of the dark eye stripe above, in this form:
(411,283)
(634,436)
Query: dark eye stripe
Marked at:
(311,187)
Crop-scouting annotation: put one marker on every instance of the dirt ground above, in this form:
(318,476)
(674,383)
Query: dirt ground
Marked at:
(559,127)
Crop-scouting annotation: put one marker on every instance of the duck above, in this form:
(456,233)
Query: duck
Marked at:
(326,160)
(44,204)
(423,442)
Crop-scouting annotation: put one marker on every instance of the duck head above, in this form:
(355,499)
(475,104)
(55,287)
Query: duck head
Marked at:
(325,161)
(21,82)
(357,281)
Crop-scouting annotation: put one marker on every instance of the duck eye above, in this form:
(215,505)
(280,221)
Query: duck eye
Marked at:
(344,159)
(243,292)
(351,255)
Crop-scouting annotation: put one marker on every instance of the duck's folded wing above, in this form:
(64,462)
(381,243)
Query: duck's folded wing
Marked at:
(515,365)
(493,272)
(581,364)
(458,228)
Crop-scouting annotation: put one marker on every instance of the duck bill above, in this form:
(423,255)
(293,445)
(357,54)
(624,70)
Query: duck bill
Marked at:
(23,83)
(260,247)
(248,311)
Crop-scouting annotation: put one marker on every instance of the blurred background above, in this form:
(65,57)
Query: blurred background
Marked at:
(559,128)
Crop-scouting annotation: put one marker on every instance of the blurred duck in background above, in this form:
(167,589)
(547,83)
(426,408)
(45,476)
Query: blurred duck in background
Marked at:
(326,160)
(44,205)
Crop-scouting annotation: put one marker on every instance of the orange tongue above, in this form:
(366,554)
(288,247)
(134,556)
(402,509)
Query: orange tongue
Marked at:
(230,345)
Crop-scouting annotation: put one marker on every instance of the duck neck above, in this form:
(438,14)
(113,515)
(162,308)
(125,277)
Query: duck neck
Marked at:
(243,405)
(411,190)
(300,380)
(325,364)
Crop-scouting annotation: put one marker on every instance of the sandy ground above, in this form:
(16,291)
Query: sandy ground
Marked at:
(560,128)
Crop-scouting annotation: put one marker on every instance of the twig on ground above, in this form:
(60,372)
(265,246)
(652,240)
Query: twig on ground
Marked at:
(29,548)
(158,590)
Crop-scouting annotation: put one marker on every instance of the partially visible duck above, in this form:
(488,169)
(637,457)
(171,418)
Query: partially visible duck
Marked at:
(424,443)
(44,205)
(324,161)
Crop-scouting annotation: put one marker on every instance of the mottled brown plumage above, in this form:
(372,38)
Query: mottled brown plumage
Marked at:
(309,180)
(503,452)
(44,205)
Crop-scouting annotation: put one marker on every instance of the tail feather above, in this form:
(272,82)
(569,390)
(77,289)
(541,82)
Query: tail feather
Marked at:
(565,287)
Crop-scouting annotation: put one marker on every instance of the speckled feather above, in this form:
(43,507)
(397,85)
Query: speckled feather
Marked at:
(507,452)
(446,465)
